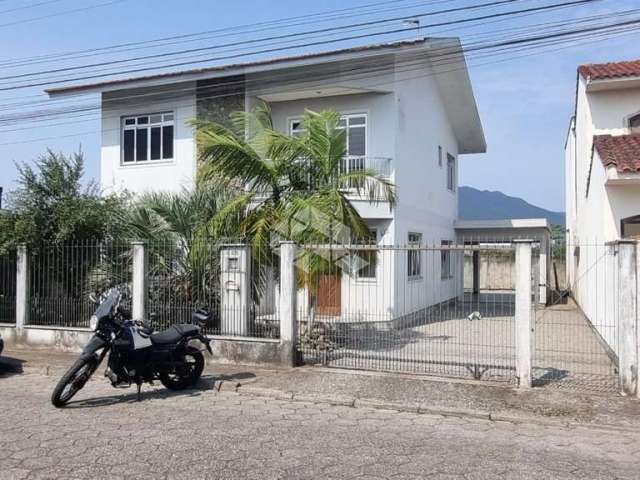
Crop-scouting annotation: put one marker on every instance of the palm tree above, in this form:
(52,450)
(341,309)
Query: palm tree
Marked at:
(295,187)
(183,235)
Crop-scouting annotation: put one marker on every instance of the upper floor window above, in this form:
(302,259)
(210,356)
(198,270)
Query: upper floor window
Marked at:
(634,122)
(147,137)
(356,133)
(630,227)
(451,172)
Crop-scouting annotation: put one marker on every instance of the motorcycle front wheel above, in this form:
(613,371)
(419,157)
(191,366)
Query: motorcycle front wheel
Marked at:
(72,381)
(187,374)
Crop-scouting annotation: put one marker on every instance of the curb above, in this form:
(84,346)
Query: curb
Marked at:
(354,402)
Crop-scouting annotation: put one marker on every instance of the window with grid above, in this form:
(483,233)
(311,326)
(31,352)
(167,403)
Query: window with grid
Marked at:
(446,266)
(355,138)
(451,172)
(367,261)
(414,264)
(147,138)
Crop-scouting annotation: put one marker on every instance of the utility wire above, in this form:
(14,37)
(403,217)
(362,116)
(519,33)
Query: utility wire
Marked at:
(586,33)
(304,45)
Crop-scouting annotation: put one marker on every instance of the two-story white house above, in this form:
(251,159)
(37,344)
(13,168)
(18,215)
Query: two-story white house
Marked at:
(602,161)
(408,110)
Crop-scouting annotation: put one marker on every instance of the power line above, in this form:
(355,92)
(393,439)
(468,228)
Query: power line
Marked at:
(59,14)
(469,49)
(306,45)
(363,10)
(548,39)
(493,3)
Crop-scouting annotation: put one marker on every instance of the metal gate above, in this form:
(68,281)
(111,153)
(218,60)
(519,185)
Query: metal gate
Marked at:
(576,333)
(413,308)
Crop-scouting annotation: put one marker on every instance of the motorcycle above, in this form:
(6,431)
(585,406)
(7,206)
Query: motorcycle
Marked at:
(136,353)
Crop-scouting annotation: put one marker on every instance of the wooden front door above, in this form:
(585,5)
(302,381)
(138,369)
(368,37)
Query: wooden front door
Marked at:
(329,295)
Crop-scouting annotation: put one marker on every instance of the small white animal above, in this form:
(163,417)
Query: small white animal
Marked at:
(474,316)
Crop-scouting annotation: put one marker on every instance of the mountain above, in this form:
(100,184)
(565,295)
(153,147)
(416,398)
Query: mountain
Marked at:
(477,204)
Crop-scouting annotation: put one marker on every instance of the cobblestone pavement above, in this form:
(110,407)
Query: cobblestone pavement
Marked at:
(205,433)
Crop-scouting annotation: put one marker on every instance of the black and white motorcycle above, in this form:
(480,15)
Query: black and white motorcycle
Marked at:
(136,354)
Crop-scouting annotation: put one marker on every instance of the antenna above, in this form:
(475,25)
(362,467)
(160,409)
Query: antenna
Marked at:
(413,23)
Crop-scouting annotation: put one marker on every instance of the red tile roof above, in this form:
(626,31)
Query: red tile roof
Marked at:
(604,71)
(623,151)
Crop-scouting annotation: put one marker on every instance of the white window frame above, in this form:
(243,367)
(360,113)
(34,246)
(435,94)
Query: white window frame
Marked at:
(414,257)
(451,172)
(147,126)
(446,265)
(346,117)
(374,236)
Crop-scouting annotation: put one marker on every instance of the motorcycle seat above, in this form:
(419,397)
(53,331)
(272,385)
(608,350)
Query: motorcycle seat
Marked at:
(173,334)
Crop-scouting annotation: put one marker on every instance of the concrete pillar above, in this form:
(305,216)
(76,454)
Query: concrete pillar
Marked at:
(139,280)
(523,314)
(628,316)
(235,282)
(287,301)
(22,287)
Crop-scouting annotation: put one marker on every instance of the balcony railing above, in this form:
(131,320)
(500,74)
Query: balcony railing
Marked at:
(353,163)
(380,165)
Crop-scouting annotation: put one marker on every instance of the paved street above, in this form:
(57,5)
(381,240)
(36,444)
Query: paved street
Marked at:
(210,434)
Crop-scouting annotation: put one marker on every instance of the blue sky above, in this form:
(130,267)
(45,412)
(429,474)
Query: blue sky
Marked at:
(525,103)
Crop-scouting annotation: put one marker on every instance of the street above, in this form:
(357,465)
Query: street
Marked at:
(204,433)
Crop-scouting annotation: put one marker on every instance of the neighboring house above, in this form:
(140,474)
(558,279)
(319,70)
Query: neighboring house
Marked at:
(602,182)
(408,114)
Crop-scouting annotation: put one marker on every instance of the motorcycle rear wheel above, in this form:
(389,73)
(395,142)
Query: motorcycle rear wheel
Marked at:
(188,376)
(73,381)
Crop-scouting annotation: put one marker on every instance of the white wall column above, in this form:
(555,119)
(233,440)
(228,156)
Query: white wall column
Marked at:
(235,282)
(628,316)
(139,280)
(287,299)
(524,314)
(22,287)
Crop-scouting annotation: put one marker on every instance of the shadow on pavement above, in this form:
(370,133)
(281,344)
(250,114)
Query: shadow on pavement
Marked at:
(11,366)
(207,382)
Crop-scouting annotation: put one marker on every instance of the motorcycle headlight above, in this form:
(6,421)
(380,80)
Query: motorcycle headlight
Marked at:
(93,322)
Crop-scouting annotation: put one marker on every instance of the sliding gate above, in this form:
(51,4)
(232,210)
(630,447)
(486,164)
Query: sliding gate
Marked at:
(412,308)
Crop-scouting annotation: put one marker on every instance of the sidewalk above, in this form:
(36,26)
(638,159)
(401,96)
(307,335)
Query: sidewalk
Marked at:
(389,391)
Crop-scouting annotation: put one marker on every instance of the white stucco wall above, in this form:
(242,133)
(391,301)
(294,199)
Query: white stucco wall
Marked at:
(173,175)
(595,208)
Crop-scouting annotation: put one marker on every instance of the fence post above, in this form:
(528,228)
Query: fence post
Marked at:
(627,317)
(287,302)
(139,281)
(523,313)
(22,287)
(235,282)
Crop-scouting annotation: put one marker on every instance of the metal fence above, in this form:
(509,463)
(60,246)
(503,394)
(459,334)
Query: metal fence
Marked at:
(406,309)
(8,287)
(61,278)
(576,333)
(235,284)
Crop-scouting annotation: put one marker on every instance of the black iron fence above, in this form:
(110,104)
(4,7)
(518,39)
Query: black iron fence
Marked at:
(61,278)
(8,287)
